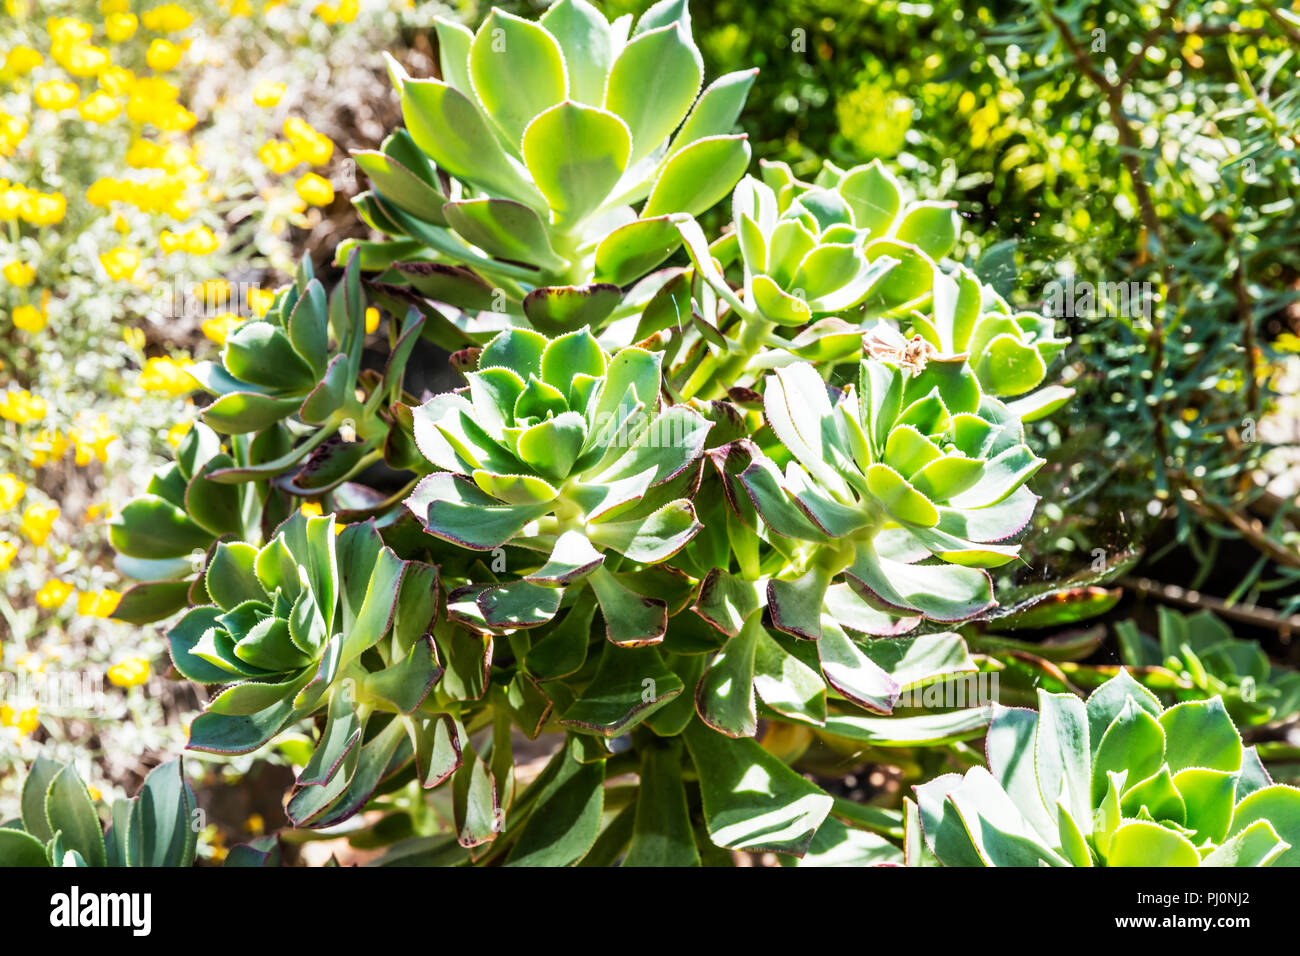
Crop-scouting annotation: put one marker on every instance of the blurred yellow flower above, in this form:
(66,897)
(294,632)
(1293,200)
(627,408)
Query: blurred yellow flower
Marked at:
(81,59)
(21,60)
(340,11)
(56,95)
(134,337)
(120,264)
(167,376)
(53,593)
(21,406)
(43,209)
(144,154)
(49,445)
(120,26)
(66,30)
(107,7)
(97,511)
(131,672)
(260,301)
(163,55)
(24,721)
(313,147)
(168,18)
(267,94)
(278,156)
(219,326)
(198,241)
(176,434)
(13,130)
(99,107)
(37,521)
(19,273)
(29,318)
(311,509)
(91,439)
(7,552)
(12,489)
(97,603)
(372,320)
(116,80)
(314,190)
(213,291)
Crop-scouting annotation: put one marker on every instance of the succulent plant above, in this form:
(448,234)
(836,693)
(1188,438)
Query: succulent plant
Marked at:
(293,416)
(915,462)
(60,827)
(1118,781)
(564,449)
(685,519)
(512,186)
(1201,649)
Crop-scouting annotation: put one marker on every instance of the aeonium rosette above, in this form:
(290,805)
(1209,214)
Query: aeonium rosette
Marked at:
(915,463)
(548,161)
(557,447)
(1117,780)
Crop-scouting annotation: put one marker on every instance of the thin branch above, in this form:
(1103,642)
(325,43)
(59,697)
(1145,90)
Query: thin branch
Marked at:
(1249,614)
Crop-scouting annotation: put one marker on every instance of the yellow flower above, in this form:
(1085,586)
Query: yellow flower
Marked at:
(7,552)
(56,95)
(163,55)
(168,18)
(53,593)
(66,30)
(12,489)
(37,521)
(176,434)
(134,337)
(91,439)
(19,274)
(213,291)
(278,156)
(119,263)
(29,318)
(108,7)
(120,26)
(94,791)
(144,154)
(340,11)
(314,190)
(21,406)
(372,320)
(311,509)
(260,301)
(94,512)
(49,445)
(266,94)
(97,603)
(198,241)
(25,721)
(220,326)
(13,130)
(99,107)
(312,147)
(167,376)
(116,80)
(255,824)
(131,672)
(43,209)
(21,60)
(82,59)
